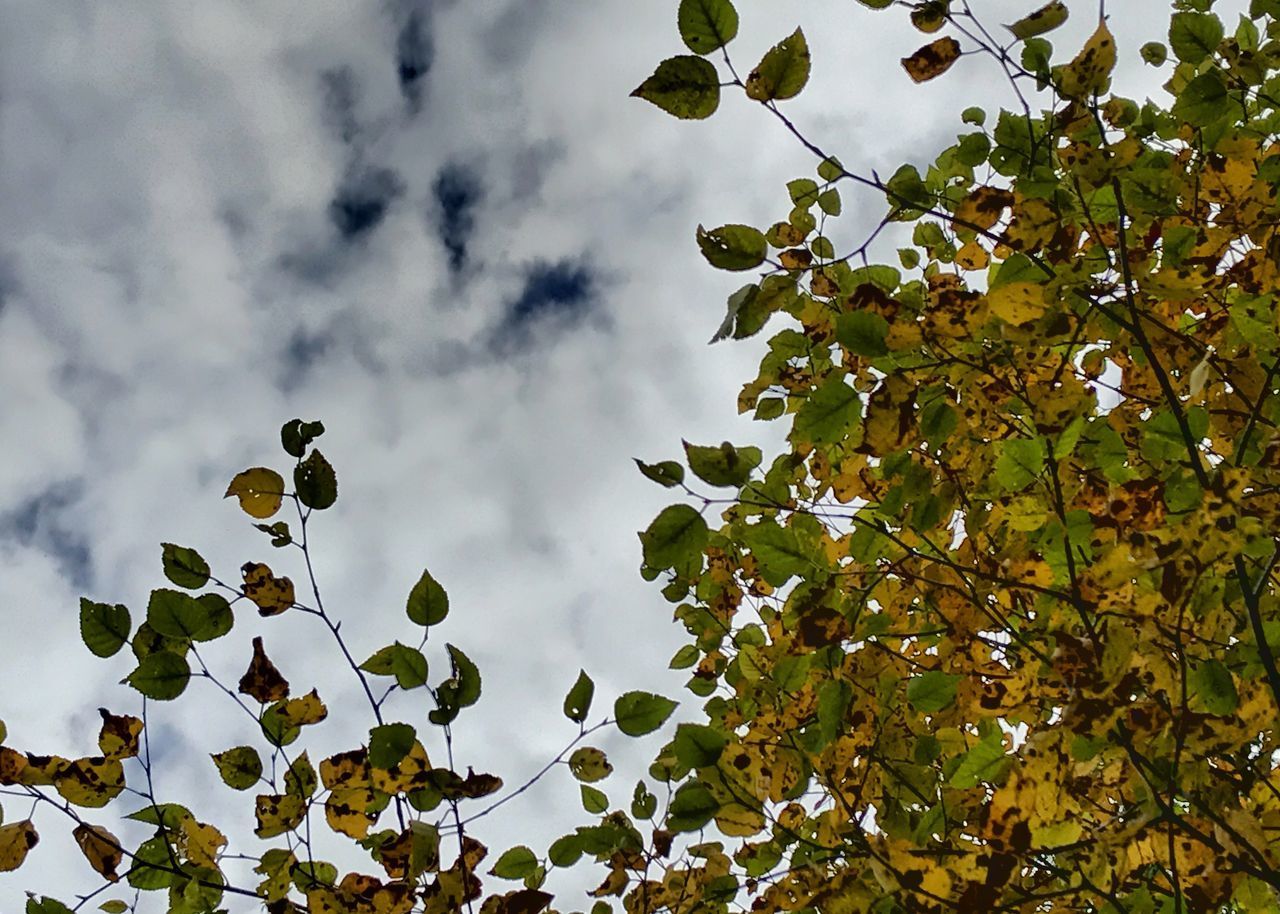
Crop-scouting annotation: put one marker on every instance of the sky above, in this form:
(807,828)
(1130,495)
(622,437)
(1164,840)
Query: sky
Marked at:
(444,229)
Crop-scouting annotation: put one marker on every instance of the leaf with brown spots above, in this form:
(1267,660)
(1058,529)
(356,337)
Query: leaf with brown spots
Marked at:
(272,595)
(932,60)
(262,680)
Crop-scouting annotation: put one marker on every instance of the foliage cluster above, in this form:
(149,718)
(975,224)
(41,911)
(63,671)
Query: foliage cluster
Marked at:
(997,631)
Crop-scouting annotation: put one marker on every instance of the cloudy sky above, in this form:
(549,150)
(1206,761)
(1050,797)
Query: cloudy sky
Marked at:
(444,229)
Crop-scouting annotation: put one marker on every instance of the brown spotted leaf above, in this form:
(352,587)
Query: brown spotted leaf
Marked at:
(15,841)
(101,848)
(272,595)
(932,60)
(118,738)
(262,680)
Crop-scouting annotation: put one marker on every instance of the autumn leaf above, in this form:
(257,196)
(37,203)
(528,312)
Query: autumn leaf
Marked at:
(262,681)
(270,594)
(15,841)
(259,490)
(932,60)
(101,848)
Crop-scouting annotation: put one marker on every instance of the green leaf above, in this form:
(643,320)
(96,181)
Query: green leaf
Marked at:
(382,661)
(565,851)
(516,863)
(676,534)
(686,657)
(686,87)
(692,807)
(219,615)
(707,25)
(1203,100)
(577,704)
(467,676)
(667,473)
(389,744)
(295,435)
(589,764)
(315,482)
(47,905)
(240,767)
(828,414)
(777,549)
(114,906)
(1154,53)
(409,666)
(1021,460)
(803,191)
(829,202)
(103,628)
(428,603)
(834,699)
(161,676)
(175,614)
(981,763)
(733,247)
(594,801)
(698,746)
(638,713)
(724,465)
(151,866)
(783,71)
(1214,689)
(1194,36)
(862,333)
(932,691)
(184,567)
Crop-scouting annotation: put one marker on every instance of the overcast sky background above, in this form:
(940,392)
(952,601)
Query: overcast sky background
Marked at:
(443,229)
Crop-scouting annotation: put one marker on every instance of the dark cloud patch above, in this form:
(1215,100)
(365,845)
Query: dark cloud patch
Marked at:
(46,522)
(362,201)
(554,296)
(457,191)
(415,52)
(304,349)
(341,96)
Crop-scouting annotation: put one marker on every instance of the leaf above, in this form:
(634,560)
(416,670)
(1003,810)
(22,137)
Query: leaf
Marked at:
(692,807)
(667,473)
(1203,100)
(270,594)
(184,567)
(1154,53)
(428,603)
(259,490)
(1090,71)
(516,863)
(295,435)
(932,691)
(239,767)
(389,744)
(118,737)
(466,676)
(1017,302)
(277,814)
(161,676)
(698,746)
(593,801)
(676,534)
(177,615)
(1213,688)
(91,782)
(1194,36)
(577,704)
(1021,461)
(981,763)
(262,681)
(409,666)
(932,60)
(101,848)
(103,628)
(47,905)
(783,71)
(777,549)
(638,713)
(1045,19)
(315,482)
(707,25)
(828,414)
(589,764)
(686,87)
(114,906)
(863,333)
(733,247)
(302,711)
(724,465)
(15,841)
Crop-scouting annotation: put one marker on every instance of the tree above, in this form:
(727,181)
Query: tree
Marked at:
(996,631)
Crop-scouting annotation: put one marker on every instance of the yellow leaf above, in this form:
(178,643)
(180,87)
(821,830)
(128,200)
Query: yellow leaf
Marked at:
(304,710)
(1045,19)
(118,738)
(15,841)
(1090,71)
(932,60)
(1016,302)
(270,594)
(201,843)
(260,491)
(346,809)
(346,769)
(90,782)
(409,774)
(100,848)
(278,813)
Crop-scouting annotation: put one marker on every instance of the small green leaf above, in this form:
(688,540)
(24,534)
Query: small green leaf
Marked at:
(295,435)
(114,906)
(177,615)
(698,746)
(1203,100)
(862,333)
(220,618)
(1154,53)
(932,691)
(240,768)
(783,71)
(686,657)
(1194,36)
(389,744)
(981,763)
(103,628)
(707,25)
(589,764)
(667,473)
(594,801)
(316,482)
(162,676)
(184,567)
(577,704)
(565,851)
(1214,689)
(47,905)
(1021,461)
(428,603)
(639,712)
(467,676)
(517,863)
(676,534)
(409,666)
(733,247)
(828,414)
(686,87)
(692,807)
(724,465)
